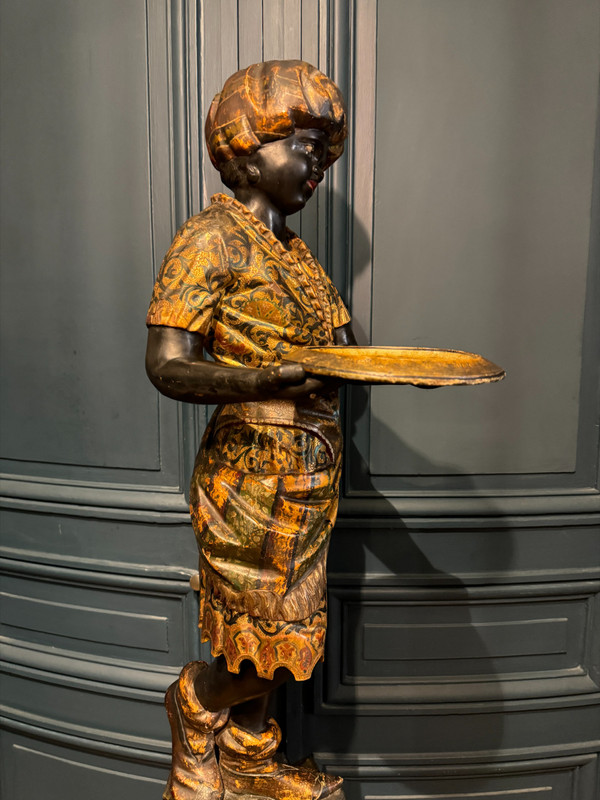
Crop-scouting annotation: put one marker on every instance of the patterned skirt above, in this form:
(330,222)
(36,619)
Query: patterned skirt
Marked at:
(268,644)
(263,503)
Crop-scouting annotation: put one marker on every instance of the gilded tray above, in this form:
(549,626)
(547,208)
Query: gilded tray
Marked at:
(419,366)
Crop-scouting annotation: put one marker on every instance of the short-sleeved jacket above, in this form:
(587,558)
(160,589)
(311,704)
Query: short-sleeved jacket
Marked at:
(229,278)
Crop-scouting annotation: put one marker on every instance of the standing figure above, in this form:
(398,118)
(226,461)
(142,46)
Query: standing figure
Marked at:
(240,286)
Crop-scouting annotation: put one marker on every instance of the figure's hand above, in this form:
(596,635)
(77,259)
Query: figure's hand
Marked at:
(273,378)
(289,381)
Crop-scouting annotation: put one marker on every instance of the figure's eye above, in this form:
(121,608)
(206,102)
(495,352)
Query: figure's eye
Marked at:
(313,148)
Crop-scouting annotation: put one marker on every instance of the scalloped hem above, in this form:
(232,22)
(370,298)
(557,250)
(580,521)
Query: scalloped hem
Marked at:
(268,644)
(235,667)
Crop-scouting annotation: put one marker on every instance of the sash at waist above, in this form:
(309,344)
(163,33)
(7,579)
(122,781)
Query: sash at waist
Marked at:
(318,415)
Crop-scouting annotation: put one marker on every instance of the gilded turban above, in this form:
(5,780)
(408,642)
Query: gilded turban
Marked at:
(268,101)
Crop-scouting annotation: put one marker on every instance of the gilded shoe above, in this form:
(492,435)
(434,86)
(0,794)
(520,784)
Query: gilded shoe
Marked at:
(195,774)
(249,769)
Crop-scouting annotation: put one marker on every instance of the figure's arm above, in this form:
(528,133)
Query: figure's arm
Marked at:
(176,366)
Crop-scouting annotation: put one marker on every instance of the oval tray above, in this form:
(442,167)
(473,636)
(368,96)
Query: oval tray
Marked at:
(419,366)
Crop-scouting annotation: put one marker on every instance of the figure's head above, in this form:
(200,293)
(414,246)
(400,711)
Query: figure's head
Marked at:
(266,104)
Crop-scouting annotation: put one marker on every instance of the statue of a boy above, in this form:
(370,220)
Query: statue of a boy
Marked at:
(238,284)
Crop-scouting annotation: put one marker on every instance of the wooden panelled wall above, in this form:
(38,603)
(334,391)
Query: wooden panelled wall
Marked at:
(463,650)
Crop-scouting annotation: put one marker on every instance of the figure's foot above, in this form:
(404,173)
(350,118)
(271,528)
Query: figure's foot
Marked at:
(194,773)
(250,770)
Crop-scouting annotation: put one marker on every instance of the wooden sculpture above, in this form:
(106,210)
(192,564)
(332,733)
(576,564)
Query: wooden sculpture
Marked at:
(240,286)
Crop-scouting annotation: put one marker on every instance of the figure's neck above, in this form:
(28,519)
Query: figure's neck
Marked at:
(256,202)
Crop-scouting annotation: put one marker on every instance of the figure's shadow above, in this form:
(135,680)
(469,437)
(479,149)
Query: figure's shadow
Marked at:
(407,636)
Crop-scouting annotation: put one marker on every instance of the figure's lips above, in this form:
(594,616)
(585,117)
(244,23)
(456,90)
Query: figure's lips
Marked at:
(313,185)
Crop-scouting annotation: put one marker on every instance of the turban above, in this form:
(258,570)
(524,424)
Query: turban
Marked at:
(268,101)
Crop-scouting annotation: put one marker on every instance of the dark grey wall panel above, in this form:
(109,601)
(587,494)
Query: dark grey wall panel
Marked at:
(114,540)
(41,769)
(400,645)
(564,779)
(462,733)
(481,231)
(144,620)
(82,779)
(99,626)
(91,654)
(79,135)
(462,551)
(89,709)
(471,228)
(88,207)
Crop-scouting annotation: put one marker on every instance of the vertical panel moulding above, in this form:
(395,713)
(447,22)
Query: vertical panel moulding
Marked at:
(162,193)
(281,29)
(588,445)
(250,32)
(168,173)
(194,126)
(181,177)
(364,69)
(310,31)
(336,44)
(179,83)
(218,60)
(362,100)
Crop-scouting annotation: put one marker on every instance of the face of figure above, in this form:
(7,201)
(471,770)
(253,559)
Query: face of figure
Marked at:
(287,172)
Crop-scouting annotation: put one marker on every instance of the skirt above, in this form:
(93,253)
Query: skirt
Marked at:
(263,502)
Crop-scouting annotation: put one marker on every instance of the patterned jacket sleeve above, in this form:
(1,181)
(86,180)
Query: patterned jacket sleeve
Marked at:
(193,276)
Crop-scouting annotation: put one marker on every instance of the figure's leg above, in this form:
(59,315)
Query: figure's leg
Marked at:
(253,714)
(217,688)
(250,769)
(247,742)
(195,774)
(198,705)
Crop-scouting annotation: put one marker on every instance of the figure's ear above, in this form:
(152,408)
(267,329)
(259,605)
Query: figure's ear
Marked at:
(252,173)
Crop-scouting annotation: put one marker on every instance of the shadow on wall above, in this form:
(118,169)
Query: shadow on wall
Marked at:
(408,641)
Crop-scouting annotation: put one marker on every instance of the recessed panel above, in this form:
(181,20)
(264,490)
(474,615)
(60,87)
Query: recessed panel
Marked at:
(409,645)
(546,785)
(459,789)
(107,621)
(460,640)
(485,126)
(563,778)
(77,251)
(36,769)
(90,709)
(408,640)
